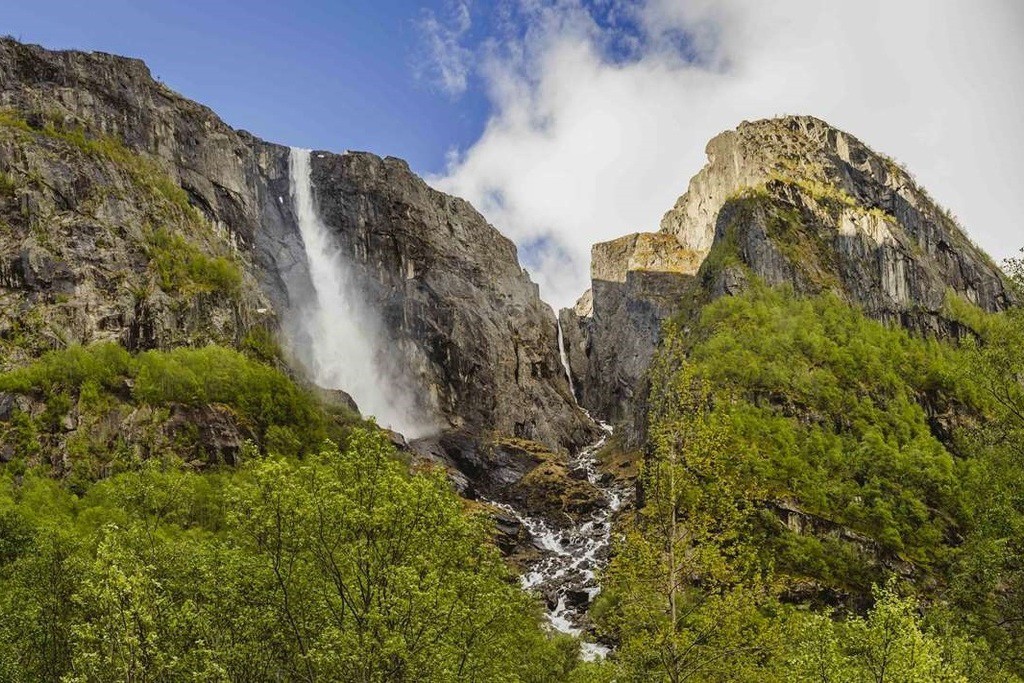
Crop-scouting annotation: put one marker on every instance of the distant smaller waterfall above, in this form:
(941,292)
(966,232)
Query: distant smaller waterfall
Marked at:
(565,357)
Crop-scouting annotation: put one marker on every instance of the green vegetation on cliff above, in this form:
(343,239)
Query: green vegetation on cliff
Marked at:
(89,412)
(181,267)
(802,456)
(103,243)
(128,551)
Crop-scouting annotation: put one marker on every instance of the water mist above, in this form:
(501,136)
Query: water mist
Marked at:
(344,342)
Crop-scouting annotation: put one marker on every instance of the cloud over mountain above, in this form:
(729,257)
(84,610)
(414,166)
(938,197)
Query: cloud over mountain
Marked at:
(600,111)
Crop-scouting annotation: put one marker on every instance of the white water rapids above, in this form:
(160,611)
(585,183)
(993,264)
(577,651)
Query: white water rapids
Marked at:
(566,571)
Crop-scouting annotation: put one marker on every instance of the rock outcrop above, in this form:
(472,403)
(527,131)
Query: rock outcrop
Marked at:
(610,335)
(786,201)
(805,204)
(98,154)
(522,473)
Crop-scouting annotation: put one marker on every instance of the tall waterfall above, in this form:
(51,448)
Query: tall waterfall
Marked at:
(343,340)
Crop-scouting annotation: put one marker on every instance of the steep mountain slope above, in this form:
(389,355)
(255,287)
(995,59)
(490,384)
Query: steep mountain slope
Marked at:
(99,244)
(798,457)
(85,130)
(821,377)
(789,200)
(810,425)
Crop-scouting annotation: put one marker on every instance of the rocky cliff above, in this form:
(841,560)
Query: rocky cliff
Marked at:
(814,207)
(464,321)
(132,213)
(101,158)
(129,212)
(786,201)
(637,281)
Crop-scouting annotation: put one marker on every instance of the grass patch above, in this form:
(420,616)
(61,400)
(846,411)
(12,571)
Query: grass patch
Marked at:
(8,185)
(181,267)
(11,119)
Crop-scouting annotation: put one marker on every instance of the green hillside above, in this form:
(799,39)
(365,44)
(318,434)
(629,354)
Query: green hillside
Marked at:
(805,460)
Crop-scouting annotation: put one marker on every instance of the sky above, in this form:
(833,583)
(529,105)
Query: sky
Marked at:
(337,75)
(568,122)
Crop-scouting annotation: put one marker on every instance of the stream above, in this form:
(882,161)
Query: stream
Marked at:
(565,574)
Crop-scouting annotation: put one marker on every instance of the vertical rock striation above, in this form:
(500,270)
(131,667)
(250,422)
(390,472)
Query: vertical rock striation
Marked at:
(463,320)
(786,201)
(612,332)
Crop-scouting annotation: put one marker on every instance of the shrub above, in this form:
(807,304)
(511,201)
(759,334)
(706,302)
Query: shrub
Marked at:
(181,267)
(262,396)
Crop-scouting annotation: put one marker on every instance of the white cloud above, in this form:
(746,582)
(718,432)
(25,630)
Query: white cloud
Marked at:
(446,62)
(598,122)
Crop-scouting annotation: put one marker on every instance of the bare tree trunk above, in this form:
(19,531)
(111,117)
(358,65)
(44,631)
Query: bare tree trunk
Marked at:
(672,539)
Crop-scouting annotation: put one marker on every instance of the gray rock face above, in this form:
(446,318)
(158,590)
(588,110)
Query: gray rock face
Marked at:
(464,322)
(832,215)
(80,212)
(118,97)
(612,332)
(461,314)
(788,201)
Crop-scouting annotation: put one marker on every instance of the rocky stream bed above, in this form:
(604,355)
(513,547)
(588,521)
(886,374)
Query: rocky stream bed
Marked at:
(564,569)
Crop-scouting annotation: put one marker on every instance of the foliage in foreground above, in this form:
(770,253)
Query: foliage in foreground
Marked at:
(342,566)
(802,454)
(899,456)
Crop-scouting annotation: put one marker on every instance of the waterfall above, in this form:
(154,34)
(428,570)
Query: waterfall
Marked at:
(565,357)
(343,340)
(569,559)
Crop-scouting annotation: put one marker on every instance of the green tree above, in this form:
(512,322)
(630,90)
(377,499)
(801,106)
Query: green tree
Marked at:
(341,566)
(988,578)
(890,645)
(379,575)
(682,600)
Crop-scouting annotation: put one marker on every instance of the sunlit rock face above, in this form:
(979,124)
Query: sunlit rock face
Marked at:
(798,201)
(832,215)
(789,201)
(637,281)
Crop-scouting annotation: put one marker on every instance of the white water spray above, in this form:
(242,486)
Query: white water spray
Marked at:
(344,339)
(570,558)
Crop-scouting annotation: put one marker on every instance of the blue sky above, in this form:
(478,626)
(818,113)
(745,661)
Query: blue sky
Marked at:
(331,75)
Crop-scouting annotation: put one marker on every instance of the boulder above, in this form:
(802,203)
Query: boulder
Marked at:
(212,433)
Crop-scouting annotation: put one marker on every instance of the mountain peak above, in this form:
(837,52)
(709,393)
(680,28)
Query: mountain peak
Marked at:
(801,149)
(785,201)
